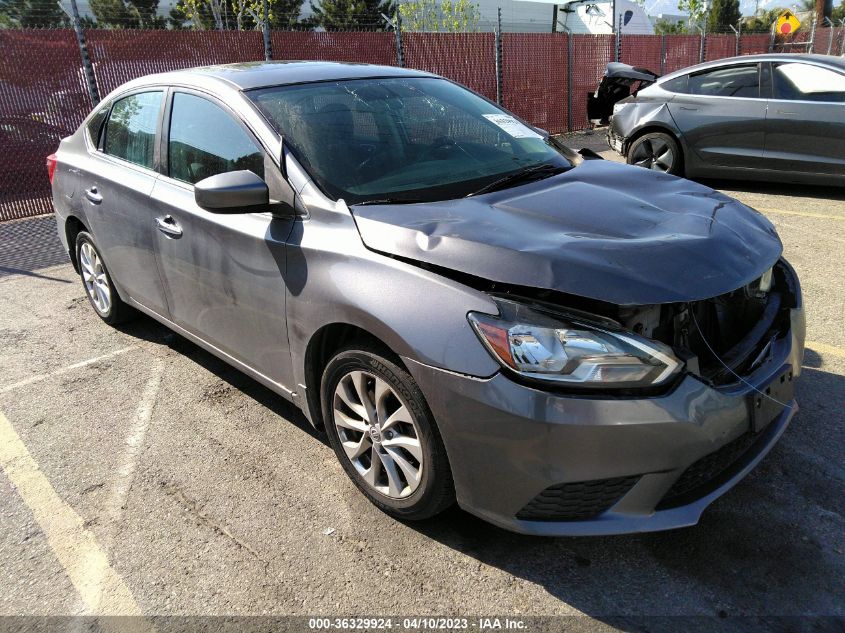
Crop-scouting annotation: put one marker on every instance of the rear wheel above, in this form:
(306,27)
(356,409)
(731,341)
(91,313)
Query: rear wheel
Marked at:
(97,282)
(657,151)
(384,435)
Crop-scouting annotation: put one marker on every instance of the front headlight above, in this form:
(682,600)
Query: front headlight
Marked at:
(572,351)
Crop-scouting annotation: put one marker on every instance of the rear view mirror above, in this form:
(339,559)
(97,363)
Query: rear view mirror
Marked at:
(233,192)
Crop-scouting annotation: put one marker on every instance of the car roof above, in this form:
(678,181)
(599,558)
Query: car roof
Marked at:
(250,75)
(827,60)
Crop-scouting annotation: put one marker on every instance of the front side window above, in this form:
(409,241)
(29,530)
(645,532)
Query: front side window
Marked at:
(205,141)
(805,82)
(131,129)
(408,139)
(731,81)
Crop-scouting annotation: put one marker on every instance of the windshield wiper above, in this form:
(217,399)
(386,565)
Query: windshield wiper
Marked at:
(536,172)
(389,201)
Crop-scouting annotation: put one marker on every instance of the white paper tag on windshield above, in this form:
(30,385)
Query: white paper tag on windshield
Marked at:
(511,126)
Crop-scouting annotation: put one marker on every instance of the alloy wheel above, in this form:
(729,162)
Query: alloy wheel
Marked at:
(378,434)
(95,278)
(655,154)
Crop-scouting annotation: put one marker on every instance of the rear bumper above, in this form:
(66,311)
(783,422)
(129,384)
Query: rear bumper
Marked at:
(508,443)
(614,140)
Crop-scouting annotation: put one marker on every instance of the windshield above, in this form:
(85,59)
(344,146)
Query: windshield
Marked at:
(402,139)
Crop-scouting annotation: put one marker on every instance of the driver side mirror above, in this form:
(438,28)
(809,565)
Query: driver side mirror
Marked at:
(233,192)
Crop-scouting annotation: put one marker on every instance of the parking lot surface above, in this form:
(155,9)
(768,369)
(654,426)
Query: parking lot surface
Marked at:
(141,475)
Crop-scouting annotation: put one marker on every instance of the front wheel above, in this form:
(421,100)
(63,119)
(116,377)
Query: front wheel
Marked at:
(384,434)
(657,151)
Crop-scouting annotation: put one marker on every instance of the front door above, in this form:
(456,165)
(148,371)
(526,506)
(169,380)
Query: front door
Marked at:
(223,273)
(805,127)
(722,115)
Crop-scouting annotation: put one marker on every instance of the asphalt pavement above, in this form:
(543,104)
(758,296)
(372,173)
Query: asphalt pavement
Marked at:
(142,476)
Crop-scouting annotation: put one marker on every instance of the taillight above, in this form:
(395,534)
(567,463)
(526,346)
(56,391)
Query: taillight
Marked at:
(51,166)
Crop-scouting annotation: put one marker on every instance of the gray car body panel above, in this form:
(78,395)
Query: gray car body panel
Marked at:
(730,137)
(256,290)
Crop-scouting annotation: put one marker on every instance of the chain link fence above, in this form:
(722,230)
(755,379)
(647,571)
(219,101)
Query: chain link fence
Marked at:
(542,77)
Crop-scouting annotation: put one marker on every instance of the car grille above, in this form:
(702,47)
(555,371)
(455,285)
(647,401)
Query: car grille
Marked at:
(703,475)
(576,501)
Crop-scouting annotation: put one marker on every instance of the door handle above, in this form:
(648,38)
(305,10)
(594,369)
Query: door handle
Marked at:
(93,196)
(786,112)
(688,108)
(167,225)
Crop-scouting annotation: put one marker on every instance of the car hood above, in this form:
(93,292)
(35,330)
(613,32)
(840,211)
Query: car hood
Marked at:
(601,230)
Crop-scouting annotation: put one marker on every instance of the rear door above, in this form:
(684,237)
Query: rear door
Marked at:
(115,184)
(223,274)
(805,127)
(721,114)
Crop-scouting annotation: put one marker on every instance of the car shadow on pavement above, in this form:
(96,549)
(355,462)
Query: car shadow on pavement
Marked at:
(771,546)
(147,329)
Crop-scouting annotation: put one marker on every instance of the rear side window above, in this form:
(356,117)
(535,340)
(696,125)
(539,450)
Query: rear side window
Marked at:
(730,81)
(205,140)
(95,125)
(678,84)
(131,129)
(805,82)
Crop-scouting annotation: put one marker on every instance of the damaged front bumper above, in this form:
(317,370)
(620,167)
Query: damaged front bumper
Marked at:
(544,463)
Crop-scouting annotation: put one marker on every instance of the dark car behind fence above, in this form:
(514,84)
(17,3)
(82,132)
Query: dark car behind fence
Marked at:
(542,77)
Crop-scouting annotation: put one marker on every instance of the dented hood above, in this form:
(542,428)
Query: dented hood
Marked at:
(606,231)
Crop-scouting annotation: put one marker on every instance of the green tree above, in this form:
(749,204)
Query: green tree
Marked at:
(838,13)
(697,10)
(128,14)
(451,17)
(352,15)
(31,14)
(723,14)
(762,22)
(667,27)
(200,15)
(283,14)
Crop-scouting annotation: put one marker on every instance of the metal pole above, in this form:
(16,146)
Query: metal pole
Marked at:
(87,68)
(617,55)
(397,32)
(554,19)
(830,33)
(570,60)
(772,38)
(702,52)
(662,54)
(842,47)
(498,42)
(268,46)
(812,36)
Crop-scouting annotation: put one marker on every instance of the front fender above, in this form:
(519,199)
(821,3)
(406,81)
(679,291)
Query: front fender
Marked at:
(331,277)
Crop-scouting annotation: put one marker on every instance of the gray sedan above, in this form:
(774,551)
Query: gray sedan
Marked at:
(471,311)
(768,117)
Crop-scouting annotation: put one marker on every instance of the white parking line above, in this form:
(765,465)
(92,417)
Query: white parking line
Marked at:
(63,370)
(128,463)
(101,588)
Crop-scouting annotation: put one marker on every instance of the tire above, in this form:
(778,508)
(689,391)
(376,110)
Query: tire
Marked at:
(412,433)
(657,151)
(97,282)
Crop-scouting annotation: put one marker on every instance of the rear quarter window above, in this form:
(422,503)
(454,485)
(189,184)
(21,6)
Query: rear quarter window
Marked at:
(95,125)
(678,84)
